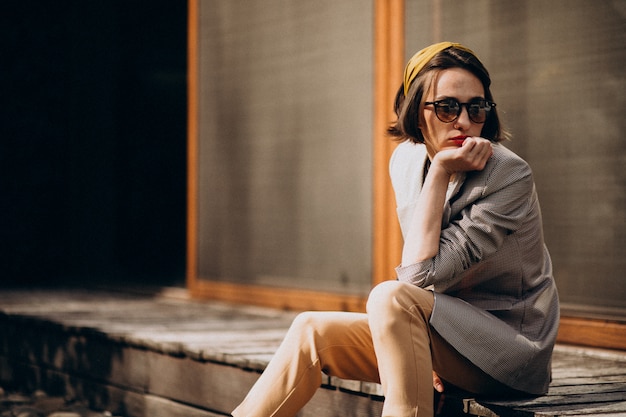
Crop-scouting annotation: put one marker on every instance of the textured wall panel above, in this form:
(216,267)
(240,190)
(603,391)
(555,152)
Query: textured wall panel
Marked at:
(285,143)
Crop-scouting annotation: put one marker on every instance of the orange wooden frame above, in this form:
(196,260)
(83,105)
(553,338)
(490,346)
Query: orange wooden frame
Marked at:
(609,334)
(388,65)
(388,70)
(193,86)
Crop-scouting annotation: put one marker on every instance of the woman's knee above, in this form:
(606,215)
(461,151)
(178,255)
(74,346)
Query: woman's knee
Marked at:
(383,294)
(304,321)
(313,323)
(393,295)
(317,330)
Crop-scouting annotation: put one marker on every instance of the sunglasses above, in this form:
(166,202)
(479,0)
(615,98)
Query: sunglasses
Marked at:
(449,109)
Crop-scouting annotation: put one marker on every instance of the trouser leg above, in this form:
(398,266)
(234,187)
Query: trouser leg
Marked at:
(392,344)
(408,350)
(398,316)
(453,368)
(337,343)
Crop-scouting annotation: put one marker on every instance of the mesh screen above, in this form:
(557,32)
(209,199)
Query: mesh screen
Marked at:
(285,143)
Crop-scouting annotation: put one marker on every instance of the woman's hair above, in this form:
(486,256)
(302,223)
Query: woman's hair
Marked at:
(408,109)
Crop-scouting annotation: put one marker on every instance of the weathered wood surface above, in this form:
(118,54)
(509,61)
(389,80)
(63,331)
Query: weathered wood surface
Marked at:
(208,354)
(585,382)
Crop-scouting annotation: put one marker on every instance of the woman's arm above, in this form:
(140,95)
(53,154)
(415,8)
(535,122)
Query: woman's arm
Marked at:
(491,204)
(422,240)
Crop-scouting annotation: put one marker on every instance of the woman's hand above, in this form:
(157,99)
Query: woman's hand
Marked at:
(437,384)
(471,156)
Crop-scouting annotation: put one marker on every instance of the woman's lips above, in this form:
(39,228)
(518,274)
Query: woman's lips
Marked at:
(458,140)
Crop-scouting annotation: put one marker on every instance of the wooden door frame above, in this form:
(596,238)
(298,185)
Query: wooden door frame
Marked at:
(387,242)
(388,66)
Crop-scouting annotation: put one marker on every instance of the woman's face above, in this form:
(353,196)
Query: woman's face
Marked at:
(450,83)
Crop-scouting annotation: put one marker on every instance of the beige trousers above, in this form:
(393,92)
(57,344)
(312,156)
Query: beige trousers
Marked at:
(392,344)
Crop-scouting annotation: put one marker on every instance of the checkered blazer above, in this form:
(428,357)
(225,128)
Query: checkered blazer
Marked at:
(495,297)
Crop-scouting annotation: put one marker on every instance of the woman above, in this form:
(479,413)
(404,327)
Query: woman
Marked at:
(474,305)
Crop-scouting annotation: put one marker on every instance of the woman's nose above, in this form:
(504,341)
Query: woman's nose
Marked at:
(463,122)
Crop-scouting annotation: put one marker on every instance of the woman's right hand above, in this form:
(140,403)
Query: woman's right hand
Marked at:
(437,384)
(471,156)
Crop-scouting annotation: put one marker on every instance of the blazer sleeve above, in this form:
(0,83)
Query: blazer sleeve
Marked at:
(490,205)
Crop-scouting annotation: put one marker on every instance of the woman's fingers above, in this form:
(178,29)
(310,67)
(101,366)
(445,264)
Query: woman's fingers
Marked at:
(437,384)
(472,156)
(477,152)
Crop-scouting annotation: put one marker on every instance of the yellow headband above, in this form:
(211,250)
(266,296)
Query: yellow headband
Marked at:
(420,59)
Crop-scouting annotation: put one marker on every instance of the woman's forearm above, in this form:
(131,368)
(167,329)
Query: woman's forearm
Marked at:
(422,240)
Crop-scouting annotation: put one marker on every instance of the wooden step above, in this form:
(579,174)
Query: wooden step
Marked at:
(114,349)
(152,355)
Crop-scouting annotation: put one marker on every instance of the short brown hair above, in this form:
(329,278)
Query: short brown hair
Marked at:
(408,109)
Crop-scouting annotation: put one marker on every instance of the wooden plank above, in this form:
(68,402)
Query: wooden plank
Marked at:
(578,400)
(590,388)
(476,408)
(602,379)
(556,401)
(616,414)
(618,408)
(372,388)
(589,332)
(346,384)
(258,362)
(278,298)
(327,402)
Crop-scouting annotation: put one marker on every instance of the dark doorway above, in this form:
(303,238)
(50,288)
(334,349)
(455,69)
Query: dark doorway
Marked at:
(93,142)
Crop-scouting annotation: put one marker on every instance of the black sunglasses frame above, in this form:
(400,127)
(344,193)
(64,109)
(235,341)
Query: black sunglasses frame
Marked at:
(485,105)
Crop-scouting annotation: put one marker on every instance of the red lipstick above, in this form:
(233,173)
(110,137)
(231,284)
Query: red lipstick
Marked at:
(458,140)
